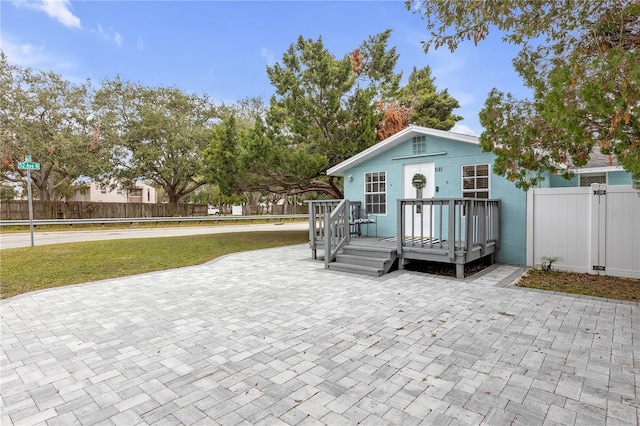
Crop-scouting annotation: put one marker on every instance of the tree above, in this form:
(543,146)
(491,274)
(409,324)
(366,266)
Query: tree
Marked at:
(419,103)
(49,118)
(325,110)
(582,62)
(158,133)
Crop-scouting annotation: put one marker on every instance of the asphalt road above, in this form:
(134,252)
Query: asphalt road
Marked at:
(44,238)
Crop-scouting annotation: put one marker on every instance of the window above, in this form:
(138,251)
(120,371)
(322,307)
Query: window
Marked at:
(588,179)
(475,181)
(103,189)
(119,191)
(419,145)
(375,192)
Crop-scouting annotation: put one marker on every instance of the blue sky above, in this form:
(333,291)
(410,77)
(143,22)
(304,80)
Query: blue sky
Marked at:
(222,48)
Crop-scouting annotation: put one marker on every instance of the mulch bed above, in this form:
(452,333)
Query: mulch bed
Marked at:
(448,269)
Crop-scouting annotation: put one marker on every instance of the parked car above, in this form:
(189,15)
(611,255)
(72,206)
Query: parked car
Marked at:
(213,210)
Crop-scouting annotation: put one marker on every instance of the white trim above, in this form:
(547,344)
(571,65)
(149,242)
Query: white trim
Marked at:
(598,170)
(490,168)
(406,157)
(386,192)
(395,140)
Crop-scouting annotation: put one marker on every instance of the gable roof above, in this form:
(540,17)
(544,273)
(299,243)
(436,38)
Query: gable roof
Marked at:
(395,140)
(598,162)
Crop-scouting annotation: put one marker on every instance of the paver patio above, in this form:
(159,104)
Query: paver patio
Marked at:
(272,338)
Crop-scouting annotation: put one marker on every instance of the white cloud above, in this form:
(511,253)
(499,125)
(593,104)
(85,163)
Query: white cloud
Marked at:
(28,55)
(112,36)
(56,9)
(24,54)
(268,56)
(463,129)
(140,43)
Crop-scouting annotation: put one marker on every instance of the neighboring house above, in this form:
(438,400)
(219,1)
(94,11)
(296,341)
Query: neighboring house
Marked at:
(94,192)
(599,169)
(456,169)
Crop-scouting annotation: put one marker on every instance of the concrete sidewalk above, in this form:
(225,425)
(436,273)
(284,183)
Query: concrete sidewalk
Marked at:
(272,338)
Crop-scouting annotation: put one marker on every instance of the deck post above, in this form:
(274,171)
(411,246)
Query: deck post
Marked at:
(460,270)
(327,239)
(452,230)
(482,227)
(469,205)
(312,230)
(400,234)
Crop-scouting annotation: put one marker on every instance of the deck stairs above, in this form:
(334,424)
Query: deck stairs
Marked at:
(365,260)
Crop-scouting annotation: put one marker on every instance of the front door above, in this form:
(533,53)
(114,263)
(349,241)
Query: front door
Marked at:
(418,222)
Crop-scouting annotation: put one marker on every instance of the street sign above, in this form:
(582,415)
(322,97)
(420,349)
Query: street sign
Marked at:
(27,158)
(28,165)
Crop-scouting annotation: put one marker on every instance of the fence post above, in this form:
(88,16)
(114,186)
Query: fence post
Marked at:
(598,256)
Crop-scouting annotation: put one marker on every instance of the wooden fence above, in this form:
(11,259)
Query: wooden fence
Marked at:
(19,210)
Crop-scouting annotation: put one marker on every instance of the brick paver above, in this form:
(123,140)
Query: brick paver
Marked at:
(271,338)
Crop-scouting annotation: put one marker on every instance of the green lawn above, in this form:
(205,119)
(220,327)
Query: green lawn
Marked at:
(35,268)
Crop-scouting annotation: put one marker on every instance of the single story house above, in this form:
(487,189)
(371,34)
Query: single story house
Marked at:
(463,200)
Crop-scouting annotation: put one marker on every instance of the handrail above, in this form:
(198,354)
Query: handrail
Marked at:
(337,230)
(317,224)
(131,220)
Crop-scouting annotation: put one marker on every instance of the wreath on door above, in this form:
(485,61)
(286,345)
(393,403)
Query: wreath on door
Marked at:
(419,181)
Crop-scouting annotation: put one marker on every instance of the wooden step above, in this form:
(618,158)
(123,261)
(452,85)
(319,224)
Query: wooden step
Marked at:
(373,262)
(356,269)
(367,260)
(374,252)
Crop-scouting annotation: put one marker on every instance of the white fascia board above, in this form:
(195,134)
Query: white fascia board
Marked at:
(394,140)
(598,169)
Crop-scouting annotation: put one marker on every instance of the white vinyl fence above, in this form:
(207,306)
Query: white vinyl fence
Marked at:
(590,229)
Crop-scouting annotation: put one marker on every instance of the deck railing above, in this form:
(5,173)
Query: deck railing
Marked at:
(329,226)
(450,230)
(337,227)
(463,229)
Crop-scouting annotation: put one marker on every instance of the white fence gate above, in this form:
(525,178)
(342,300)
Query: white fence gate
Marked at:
(589,229)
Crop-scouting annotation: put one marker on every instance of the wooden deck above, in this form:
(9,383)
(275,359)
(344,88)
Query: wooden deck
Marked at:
(471,224)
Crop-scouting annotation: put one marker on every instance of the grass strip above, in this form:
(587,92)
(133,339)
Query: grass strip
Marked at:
(34,268)
(20,229)
(586,284)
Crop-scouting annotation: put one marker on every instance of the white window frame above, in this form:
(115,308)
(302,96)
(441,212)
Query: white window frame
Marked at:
(369,206)
(419,141)
(475,190)
(588,176)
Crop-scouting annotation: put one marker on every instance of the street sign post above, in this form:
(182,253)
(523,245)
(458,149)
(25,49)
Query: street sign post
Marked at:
(28,165)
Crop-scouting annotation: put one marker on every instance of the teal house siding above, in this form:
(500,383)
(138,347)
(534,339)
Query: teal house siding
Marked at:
(557,181)
(619,177)
(448,155)
(613,177)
